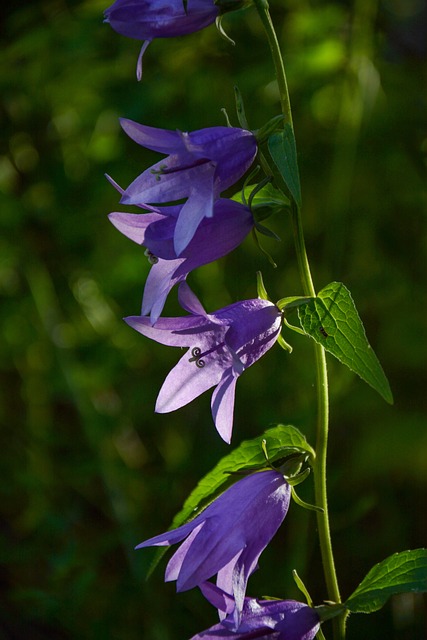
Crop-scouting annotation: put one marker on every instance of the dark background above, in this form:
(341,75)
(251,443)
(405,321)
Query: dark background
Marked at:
(87,469)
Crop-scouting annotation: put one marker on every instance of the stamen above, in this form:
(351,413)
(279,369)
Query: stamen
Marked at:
(197,354)
(152,259)
(139,62)
(158,172)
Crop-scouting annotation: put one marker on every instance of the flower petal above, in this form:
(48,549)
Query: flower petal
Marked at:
(189,301)
(186,381)
(198,206)
(199,558)
(217,597)
(161,140)
(170,537)
(174,332)
(265,620)
(148,19)
(223,405)
(165,181)
(159,282)
(134,225)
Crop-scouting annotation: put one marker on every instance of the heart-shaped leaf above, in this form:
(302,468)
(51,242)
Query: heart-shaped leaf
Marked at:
(404,572)
(331,319)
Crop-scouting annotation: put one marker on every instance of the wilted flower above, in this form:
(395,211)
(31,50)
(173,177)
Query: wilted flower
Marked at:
(149,19)
(262,619)
(214,238)
(200,165)
(228,537)
(223,344)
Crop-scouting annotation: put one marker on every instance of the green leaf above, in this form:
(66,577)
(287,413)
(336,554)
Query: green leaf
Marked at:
(280,441)
(332,320)
(404,572)
(283,150)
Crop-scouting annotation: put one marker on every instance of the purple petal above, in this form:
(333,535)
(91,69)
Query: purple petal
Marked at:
(217,597)
(254,327)
(233,150)
(218,235)
(265,620)
(198,559)
(159,282)
(189,301)
(174,332)
(168,180)
(223,406)
(134,225)
(161,140)
(148,19)
(198,206)
(186,381)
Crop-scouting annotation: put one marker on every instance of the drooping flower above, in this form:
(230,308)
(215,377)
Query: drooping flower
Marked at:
(223,344)
(214,238)
(259,619)
(150,19)
(199,166)
(228,537)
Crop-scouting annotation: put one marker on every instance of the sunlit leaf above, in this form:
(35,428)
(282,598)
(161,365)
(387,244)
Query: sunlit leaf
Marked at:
(404,572)
(332,320)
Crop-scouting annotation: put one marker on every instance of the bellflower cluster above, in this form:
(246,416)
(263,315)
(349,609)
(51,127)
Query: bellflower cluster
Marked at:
(262,619)
(186,224)
(215,237)
(199,166)
(228,537)
(222,345)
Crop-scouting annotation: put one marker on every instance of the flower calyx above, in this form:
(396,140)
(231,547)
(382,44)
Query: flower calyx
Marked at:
(272,126)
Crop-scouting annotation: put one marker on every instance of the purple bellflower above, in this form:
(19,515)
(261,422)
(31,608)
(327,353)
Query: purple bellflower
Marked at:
(223,344)
(214,238)
(261,619)
(149,19)
(228,537)
(199,166)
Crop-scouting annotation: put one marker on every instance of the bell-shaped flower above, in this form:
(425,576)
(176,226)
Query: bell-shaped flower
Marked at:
(214,238)
(149,19)
(222,345)
(199,166)
(262,619)
(228,537)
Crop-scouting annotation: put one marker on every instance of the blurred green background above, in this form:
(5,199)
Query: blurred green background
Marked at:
(87,469)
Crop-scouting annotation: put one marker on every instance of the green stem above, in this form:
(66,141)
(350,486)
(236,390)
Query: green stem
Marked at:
(321,370)
(264,14)
(320,488)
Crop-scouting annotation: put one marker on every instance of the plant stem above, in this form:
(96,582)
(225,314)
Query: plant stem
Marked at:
(321,370)
(264,14)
